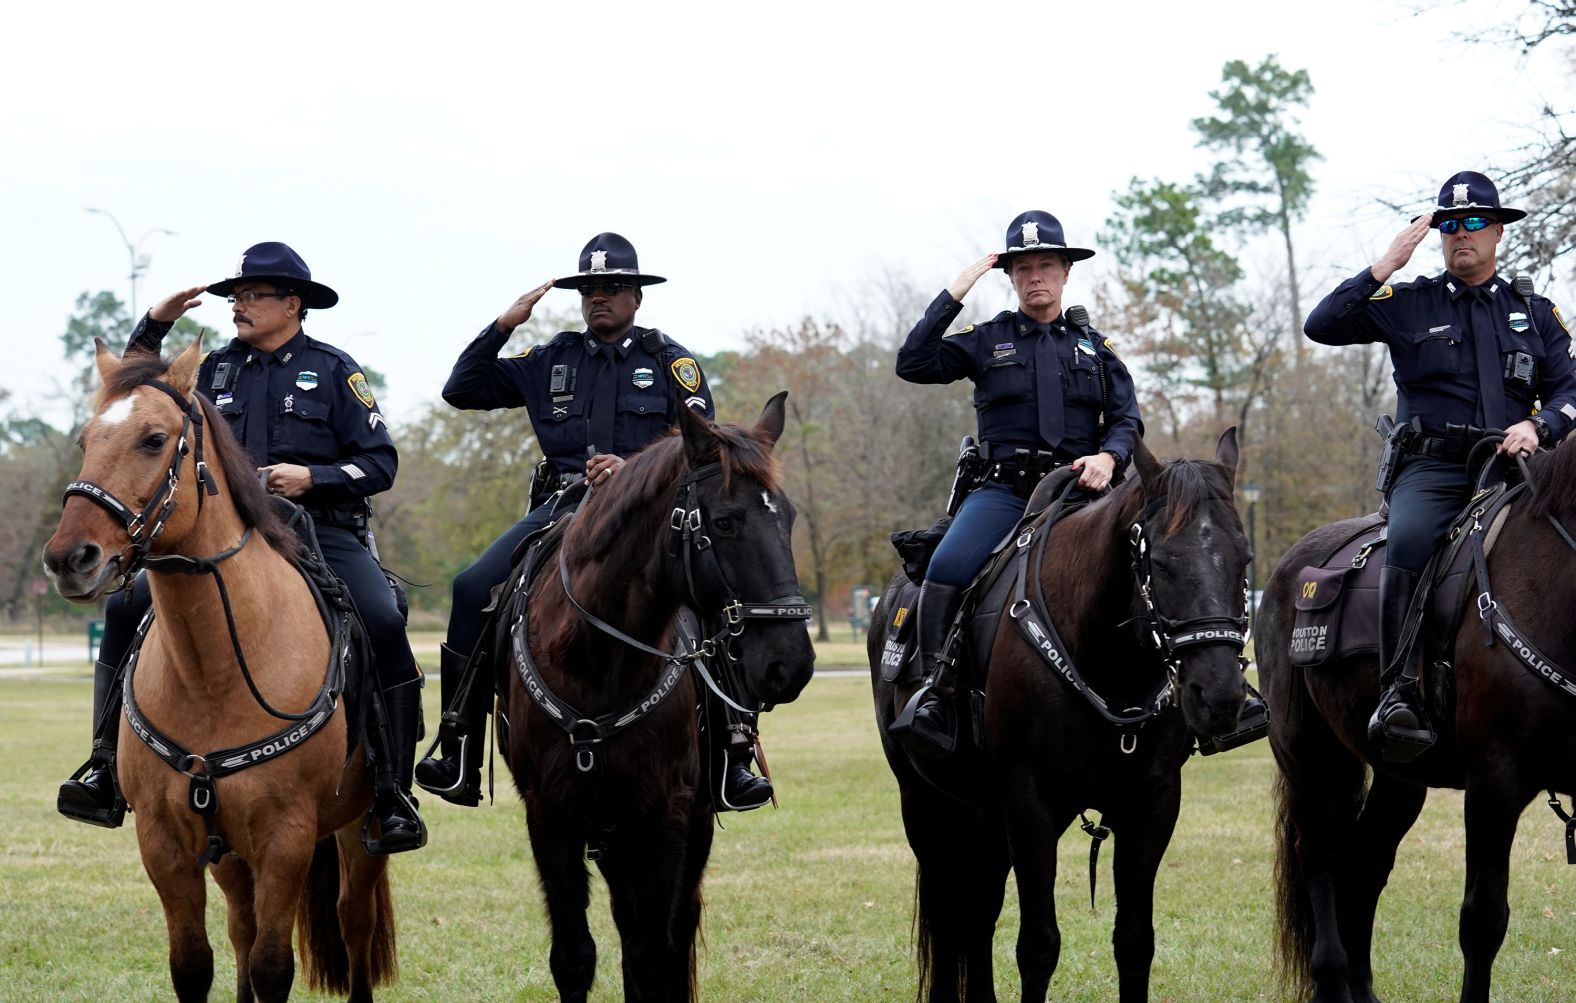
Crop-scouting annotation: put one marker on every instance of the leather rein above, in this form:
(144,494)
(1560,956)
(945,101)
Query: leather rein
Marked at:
(689,540)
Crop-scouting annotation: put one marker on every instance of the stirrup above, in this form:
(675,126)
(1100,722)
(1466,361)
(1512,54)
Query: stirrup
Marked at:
(111,816)
(1397,744)
(919,736)
(760,786)
(1252,725)
(459,792)
(382,846)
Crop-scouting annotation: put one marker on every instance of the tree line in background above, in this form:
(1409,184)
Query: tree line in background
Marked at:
(865,455)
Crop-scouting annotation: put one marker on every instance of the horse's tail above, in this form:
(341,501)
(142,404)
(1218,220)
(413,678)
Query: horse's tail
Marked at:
(324,960)
(924,947)
(1293,908)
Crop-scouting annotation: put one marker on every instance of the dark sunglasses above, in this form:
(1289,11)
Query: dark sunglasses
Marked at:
(1472,224)
(605,288)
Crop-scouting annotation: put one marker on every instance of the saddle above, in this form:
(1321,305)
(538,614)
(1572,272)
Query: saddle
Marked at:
(1337,600)
(974,626)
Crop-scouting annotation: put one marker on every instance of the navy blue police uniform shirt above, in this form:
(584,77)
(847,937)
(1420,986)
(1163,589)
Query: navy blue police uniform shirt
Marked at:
(1016,364)
(1431,326)
(305,403)
(580,391)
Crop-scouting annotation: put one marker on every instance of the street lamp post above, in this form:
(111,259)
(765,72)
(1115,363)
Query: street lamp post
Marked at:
(1251,493)
(138,264)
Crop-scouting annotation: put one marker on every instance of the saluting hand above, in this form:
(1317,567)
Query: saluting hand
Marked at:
(171,308)
(1094,472)
(520,310)
(965,281)
(1401,248)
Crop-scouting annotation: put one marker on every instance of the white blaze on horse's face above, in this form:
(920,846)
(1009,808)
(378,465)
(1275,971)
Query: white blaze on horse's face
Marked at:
(766,499)
(118,411)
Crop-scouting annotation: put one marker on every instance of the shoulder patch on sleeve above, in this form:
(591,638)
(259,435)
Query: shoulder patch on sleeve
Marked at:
(687,371)
(363,392)
(1384,292)
(965,330)
(524,353)
(1561,318)
(1106,344)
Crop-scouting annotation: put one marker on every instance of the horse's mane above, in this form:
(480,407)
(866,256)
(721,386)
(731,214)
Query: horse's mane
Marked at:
(1554,472)
(645,488)
(220,448)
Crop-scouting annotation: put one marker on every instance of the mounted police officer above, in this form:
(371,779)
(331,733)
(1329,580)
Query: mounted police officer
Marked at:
(307,418)
(1473,354)
(1050,392)
(594,397)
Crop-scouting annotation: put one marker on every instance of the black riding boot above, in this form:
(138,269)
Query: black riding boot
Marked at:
(456,776)
(740,790)
(92,795)
(930,715)
(393,809)
(1399,727)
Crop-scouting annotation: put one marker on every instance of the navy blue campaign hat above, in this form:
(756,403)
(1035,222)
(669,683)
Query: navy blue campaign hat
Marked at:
(274,262)
(1469,192)
(1036,232)
(608,256)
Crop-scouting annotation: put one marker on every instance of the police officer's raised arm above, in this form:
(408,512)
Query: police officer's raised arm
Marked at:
(926,357)
(480,380)
(1346,317)
(156,323)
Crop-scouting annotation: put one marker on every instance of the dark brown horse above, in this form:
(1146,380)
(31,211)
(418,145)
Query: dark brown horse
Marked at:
(290,825)
(1507,735)
(1141,596)
(602,733)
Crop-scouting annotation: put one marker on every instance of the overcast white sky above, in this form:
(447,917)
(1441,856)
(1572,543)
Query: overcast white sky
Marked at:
(431,162)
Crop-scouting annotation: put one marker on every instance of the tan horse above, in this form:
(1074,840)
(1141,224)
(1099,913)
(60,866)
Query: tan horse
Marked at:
(278,821)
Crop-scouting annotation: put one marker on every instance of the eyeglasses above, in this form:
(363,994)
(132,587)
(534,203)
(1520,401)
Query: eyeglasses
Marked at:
(1472,224)
(253,295)
(605,288)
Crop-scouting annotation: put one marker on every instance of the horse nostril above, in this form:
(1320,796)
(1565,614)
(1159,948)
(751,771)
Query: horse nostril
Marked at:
(85,558)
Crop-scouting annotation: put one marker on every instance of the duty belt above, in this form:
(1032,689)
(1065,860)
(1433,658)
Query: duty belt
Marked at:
(1453,447)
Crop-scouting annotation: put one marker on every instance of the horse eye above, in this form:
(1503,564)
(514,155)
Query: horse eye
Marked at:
(155,442)
(723,524)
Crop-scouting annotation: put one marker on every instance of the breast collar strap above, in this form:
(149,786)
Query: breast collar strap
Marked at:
(1168,637)
(688,539)
(143,528)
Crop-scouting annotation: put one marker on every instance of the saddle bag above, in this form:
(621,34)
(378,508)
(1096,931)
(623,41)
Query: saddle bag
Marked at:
(897,646)
(1337,613)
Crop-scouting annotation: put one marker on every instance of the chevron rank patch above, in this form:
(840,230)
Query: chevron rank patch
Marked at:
(363,392)
(687,372)
(1384,293)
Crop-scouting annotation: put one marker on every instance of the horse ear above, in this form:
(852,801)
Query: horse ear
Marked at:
(182,373)
(700,446)
(1148,467)
(1227,454)
(772,419)
(105,359)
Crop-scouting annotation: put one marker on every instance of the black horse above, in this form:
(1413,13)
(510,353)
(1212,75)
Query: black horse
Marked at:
(1139,600)
(602,736)
(1506,736)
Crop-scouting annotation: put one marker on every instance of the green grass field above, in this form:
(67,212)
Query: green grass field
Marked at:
(809,902)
